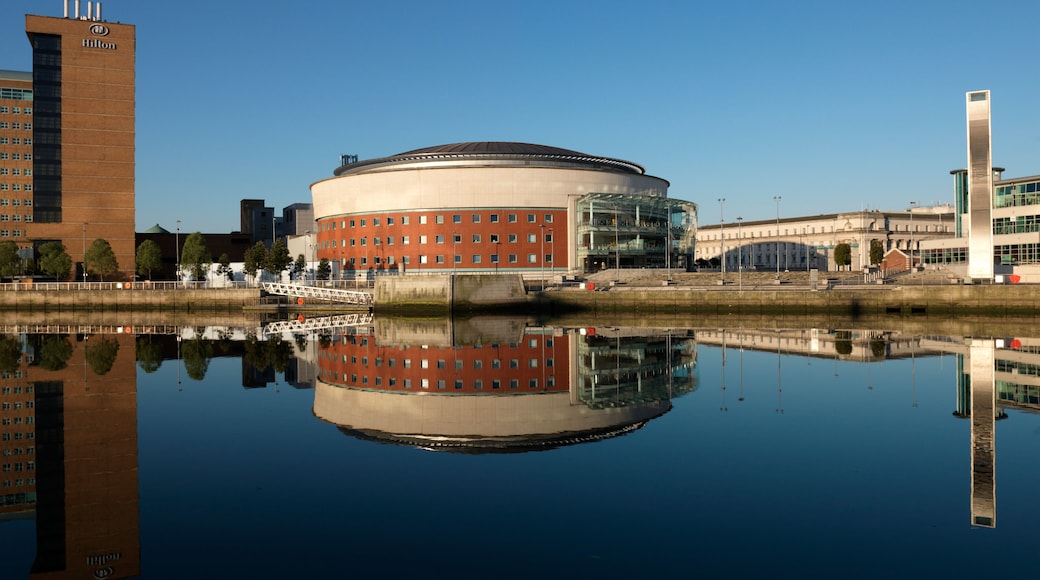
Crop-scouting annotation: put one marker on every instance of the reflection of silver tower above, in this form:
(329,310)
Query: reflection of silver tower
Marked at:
(980,187)
(983,443)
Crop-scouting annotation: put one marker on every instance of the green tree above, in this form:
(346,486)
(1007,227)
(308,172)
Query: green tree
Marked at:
(10,354)
(843,342)
(300,266)
(53,351)
(100,259)
(324,269)
(842,255)
(10,261)
(149,354)
(224,267)
(148,258)
(877,252)
(100,354)
(278,259)
(254,259)
(196,257)
(55,261)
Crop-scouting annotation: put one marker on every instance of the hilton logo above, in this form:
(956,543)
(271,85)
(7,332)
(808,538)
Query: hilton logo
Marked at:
(99,30)
(96,43)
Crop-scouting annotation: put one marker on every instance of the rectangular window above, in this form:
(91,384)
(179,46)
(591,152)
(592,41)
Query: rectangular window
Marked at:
(389,240)
(475,218)
(422,239)
(494,218)
(532,238)
(439,259)
(532,258)
(352,223)
(512,218)
(422,220)
(493,238)
(548,238)
(375,222)
(438,219)
(458,259)
(404,220)
(494,258)
(422,259)
(475,238)
(476,258)
(456,218)
(512,258)
(512,238)
(439,238)
(389,221)
(548,218)
(362,222)
(530,218)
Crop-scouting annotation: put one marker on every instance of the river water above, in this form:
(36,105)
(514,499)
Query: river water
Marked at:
(502,448)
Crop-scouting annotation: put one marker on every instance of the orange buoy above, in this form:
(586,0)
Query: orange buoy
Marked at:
(299,300)
(299,318)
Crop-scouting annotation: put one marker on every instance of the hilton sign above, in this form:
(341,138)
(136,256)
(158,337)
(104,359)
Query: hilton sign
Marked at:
(98,29)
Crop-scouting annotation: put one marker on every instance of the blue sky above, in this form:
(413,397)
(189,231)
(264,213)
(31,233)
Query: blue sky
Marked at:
(833,106)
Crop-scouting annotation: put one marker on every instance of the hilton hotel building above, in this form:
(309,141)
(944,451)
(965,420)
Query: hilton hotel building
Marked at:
(67,137)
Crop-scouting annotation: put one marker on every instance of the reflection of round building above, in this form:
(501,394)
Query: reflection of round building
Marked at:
(476,423)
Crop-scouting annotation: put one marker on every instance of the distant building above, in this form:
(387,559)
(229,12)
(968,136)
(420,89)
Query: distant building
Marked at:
(807,242)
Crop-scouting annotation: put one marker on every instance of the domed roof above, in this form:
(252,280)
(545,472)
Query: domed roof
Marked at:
(488,154)
(500,147)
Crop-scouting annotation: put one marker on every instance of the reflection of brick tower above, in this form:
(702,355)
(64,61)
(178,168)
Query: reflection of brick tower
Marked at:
(86,456)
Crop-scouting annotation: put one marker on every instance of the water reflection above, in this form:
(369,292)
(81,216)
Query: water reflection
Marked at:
(69,441)
(498,385)
(483,386)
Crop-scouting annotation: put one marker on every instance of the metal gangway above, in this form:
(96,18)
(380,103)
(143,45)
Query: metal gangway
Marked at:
(308,325)
(306,292)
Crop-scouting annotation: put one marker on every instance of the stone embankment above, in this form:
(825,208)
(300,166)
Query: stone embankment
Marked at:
(118,296)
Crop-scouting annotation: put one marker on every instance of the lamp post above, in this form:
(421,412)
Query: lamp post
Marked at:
(177,249)
(913,204)
(722,239)
(84,253)
(740,257)
(776,198)
(617,247)
(668,244)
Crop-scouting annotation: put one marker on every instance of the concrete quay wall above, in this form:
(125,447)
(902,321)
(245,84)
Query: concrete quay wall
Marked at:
(177,300)
(937,301)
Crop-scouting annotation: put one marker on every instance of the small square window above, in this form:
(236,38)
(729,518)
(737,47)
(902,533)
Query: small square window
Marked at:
(530,218)
(512,218)
(475,218)
(456,218)
(494,218)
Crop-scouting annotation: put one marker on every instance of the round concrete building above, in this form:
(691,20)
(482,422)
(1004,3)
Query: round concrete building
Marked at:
(498,207)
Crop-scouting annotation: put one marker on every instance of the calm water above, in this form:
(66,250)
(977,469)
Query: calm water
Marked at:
(523,451)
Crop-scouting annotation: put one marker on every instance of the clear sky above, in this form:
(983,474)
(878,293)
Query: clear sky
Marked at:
(834,106)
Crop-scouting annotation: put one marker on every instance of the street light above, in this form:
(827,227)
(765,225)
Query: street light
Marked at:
(722,239)
(177,248)
(913,204)
(776,198)
(84,253)
(740,256)
(617,249)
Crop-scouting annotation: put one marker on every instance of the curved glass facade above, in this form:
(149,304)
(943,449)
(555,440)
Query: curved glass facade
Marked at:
(635,231)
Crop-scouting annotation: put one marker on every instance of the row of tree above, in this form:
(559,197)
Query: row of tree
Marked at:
(53,260)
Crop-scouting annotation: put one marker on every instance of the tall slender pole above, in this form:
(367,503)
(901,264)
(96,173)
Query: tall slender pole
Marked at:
(740,257)
(913,204)
(177,248)
(617,249)
(722,239)
(776,198)
(541,260)
(668,244)
(84,253)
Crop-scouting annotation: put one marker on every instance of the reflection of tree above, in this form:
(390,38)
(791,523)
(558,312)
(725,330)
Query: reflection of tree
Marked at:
(101,354)
(877,347)
(324,339)
(52,351)
(275,353)
(149,354)
(10,354)
(196,354)
(843,342)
